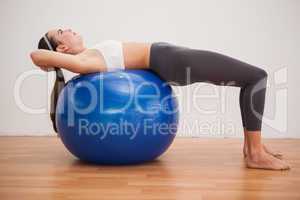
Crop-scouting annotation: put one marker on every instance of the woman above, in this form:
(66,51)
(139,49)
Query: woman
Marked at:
(179,65)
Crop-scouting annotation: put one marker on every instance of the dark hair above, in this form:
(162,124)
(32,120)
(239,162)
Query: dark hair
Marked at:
(49,43)
(43,44)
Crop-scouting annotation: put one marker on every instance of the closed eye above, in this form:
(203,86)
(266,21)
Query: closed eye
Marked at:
(59,31)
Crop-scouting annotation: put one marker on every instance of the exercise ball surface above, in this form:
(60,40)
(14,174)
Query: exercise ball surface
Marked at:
(120,117)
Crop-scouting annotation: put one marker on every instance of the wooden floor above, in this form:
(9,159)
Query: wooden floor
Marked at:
(41,168)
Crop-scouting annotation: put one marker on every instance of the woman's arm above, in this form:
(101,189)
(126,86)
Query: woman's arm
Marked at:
(83,63)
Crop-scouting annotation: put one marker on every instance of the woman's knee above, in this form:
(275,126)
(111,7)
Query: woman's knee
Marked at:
(263,73)
(260,74)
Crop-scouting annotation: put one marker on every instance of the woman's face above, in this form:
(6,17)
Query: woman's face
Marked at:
(68,41)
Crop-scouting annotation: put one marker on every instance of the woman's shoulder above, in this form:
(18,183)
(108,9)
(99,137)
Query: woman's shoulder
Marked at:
(91,52)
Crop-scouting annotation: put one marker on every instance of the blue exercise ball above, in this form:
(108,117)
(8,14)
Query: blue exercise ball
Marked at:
(120,117)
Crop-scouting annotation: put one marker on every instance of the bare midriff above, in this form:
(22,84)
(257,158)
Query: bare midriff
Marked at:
(136,55)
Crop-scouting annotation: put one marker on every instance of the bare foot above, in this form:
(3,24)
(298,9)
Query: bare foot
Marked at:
(273,153)
(267,150)
(264,160)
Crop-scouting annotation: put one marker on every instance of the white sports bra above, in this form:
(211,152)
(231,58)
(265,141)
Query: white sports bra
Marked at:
(112,52)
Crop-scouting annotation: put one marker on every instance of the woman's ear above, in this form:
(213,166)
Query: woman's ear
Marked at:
(62,48)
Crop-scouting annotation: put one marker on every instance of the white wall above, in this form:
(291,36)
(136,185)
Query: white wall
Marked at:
(262,32)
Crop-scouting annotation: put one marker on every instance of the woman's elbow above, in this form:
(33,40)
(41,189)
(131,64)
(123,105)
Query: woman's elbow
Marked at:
(33,56)
(36,58)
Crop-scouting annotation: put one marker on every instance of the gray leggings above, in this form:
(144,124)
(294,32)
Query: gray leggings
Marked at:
(182,66)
